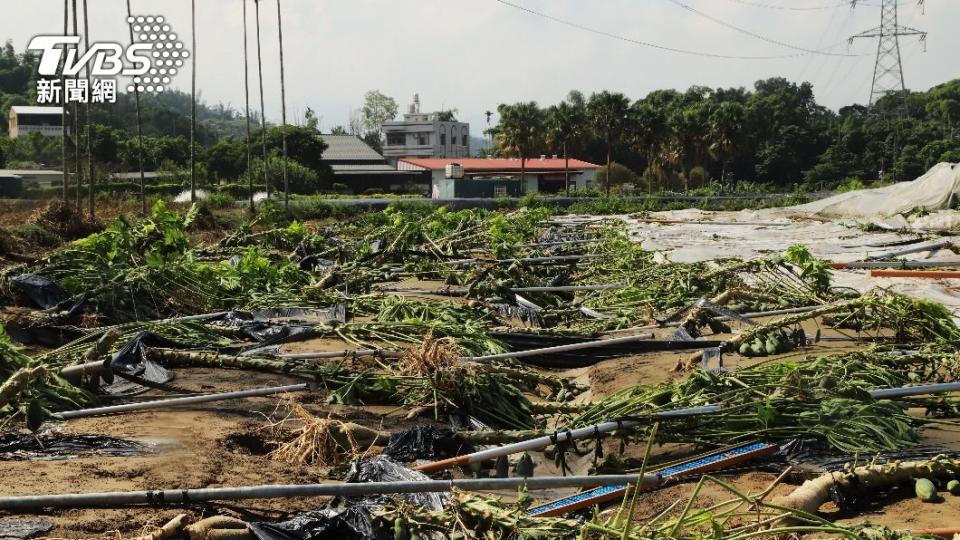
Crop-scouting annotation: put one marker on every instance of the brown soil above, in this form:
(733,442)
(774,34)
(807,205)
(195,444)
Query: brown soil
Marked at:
(226,444)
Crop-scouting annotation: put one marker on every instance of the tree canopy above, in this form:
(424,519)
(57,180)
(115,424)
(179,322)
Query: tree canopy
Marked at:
(774,134)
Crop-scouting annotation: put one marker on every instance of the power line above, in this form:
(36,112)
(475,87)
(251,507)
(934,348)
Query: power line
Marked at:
(800,8)
(647,43)
(789,8)
(754,34)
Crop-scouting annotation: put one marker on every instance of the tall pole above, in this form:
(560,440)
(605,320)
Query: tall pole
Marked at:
(76,119)
(283,108)
(263,113)
(91,183)
(136,97)
(246,93)
(888,66)
(193,100)
(63,113)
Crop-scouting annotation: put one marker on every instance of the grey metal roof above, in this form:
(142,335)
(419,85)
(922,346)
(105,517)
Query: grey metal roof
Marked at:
(348,148)
(27,109)
(373,168)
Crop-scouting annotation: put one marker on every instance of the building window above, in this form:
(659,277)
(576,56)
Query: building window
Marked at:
(443,139)
(453,141)
(396,139)
(500,190)
(423,139)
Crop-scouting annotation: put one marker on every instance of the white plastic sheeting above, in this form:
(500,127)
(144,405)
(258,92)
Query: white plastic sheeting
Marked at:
(938,189)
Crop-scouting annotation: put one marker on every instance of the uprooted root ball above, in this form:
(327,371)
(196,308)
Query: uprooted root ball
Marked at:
(323,441)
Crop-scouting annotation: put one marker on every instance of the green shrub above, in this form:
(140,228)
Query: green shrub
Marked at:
(850,184)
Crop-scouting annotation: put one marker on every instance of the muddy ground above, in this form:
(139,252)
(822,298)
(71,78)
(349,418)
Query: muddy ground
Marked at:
(227,444)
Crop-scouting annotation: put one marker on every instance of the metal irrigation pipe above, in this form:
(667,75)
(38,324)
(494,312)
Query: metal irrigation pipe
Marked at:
(753,315)
(527,260)
(178,496)
(387,353)
(591,431)
(937,246)
(559,437)
(569,288)
(707,222)
(560,348)
(162,403)
(907,391)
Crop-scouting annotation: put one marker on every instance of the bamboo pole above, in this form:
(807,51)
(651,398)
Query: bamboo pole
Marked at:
(191,400)
(559,348)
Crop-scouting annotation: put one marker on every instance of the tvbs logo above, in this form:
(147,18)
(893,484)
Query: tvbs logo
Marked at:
(150,62)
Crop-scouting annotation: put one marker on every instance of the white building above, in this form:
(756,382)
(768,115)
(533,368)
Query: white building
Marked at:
(425,135)
(46,120)
(501,177)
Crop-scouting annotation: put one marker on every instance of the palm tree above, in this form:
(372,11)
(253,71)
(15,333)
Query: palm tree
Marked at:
(263,114)
(726,134)
(193,100)
(565,126)
(608,112)
(648,131)
(520,132)
(246,92)
(136,97)
(283,108)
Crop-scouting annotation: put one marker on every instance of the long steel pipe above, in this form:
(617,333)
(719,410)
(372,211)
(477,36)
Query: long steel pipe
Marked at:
(559,437)
(178,496)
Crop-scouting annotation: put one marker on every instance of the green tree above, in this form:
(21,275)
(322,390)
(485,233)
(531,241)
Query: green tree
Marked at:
(377,109)
(566,126)
(608,112)
(520,132)
(619,175)
(726,134)
(227,159)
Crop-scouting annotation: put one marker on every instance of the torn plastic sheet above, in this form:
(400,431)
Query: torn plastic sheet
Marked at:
(20,529)
(425,442)
(347,518)
(316,263)
(16,447)
(135,372)
(278,325)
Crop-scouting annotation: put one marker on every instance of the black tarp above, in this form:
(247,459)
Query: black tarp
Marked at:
(17,446)
(425,442)
(271,326)
(134,371)
(43,292)
(352,518)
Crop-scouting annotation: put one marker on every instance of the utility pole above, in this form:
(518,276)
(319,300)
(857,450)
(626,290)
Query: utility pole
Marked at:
(888,69)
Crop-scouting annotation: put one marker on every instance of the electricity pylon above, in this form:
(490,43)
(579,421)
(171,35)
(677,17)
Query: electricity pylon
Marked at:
(888,70)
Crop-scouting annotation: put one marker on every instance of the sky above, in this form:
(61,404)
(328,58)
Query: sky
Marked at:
(472,55)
